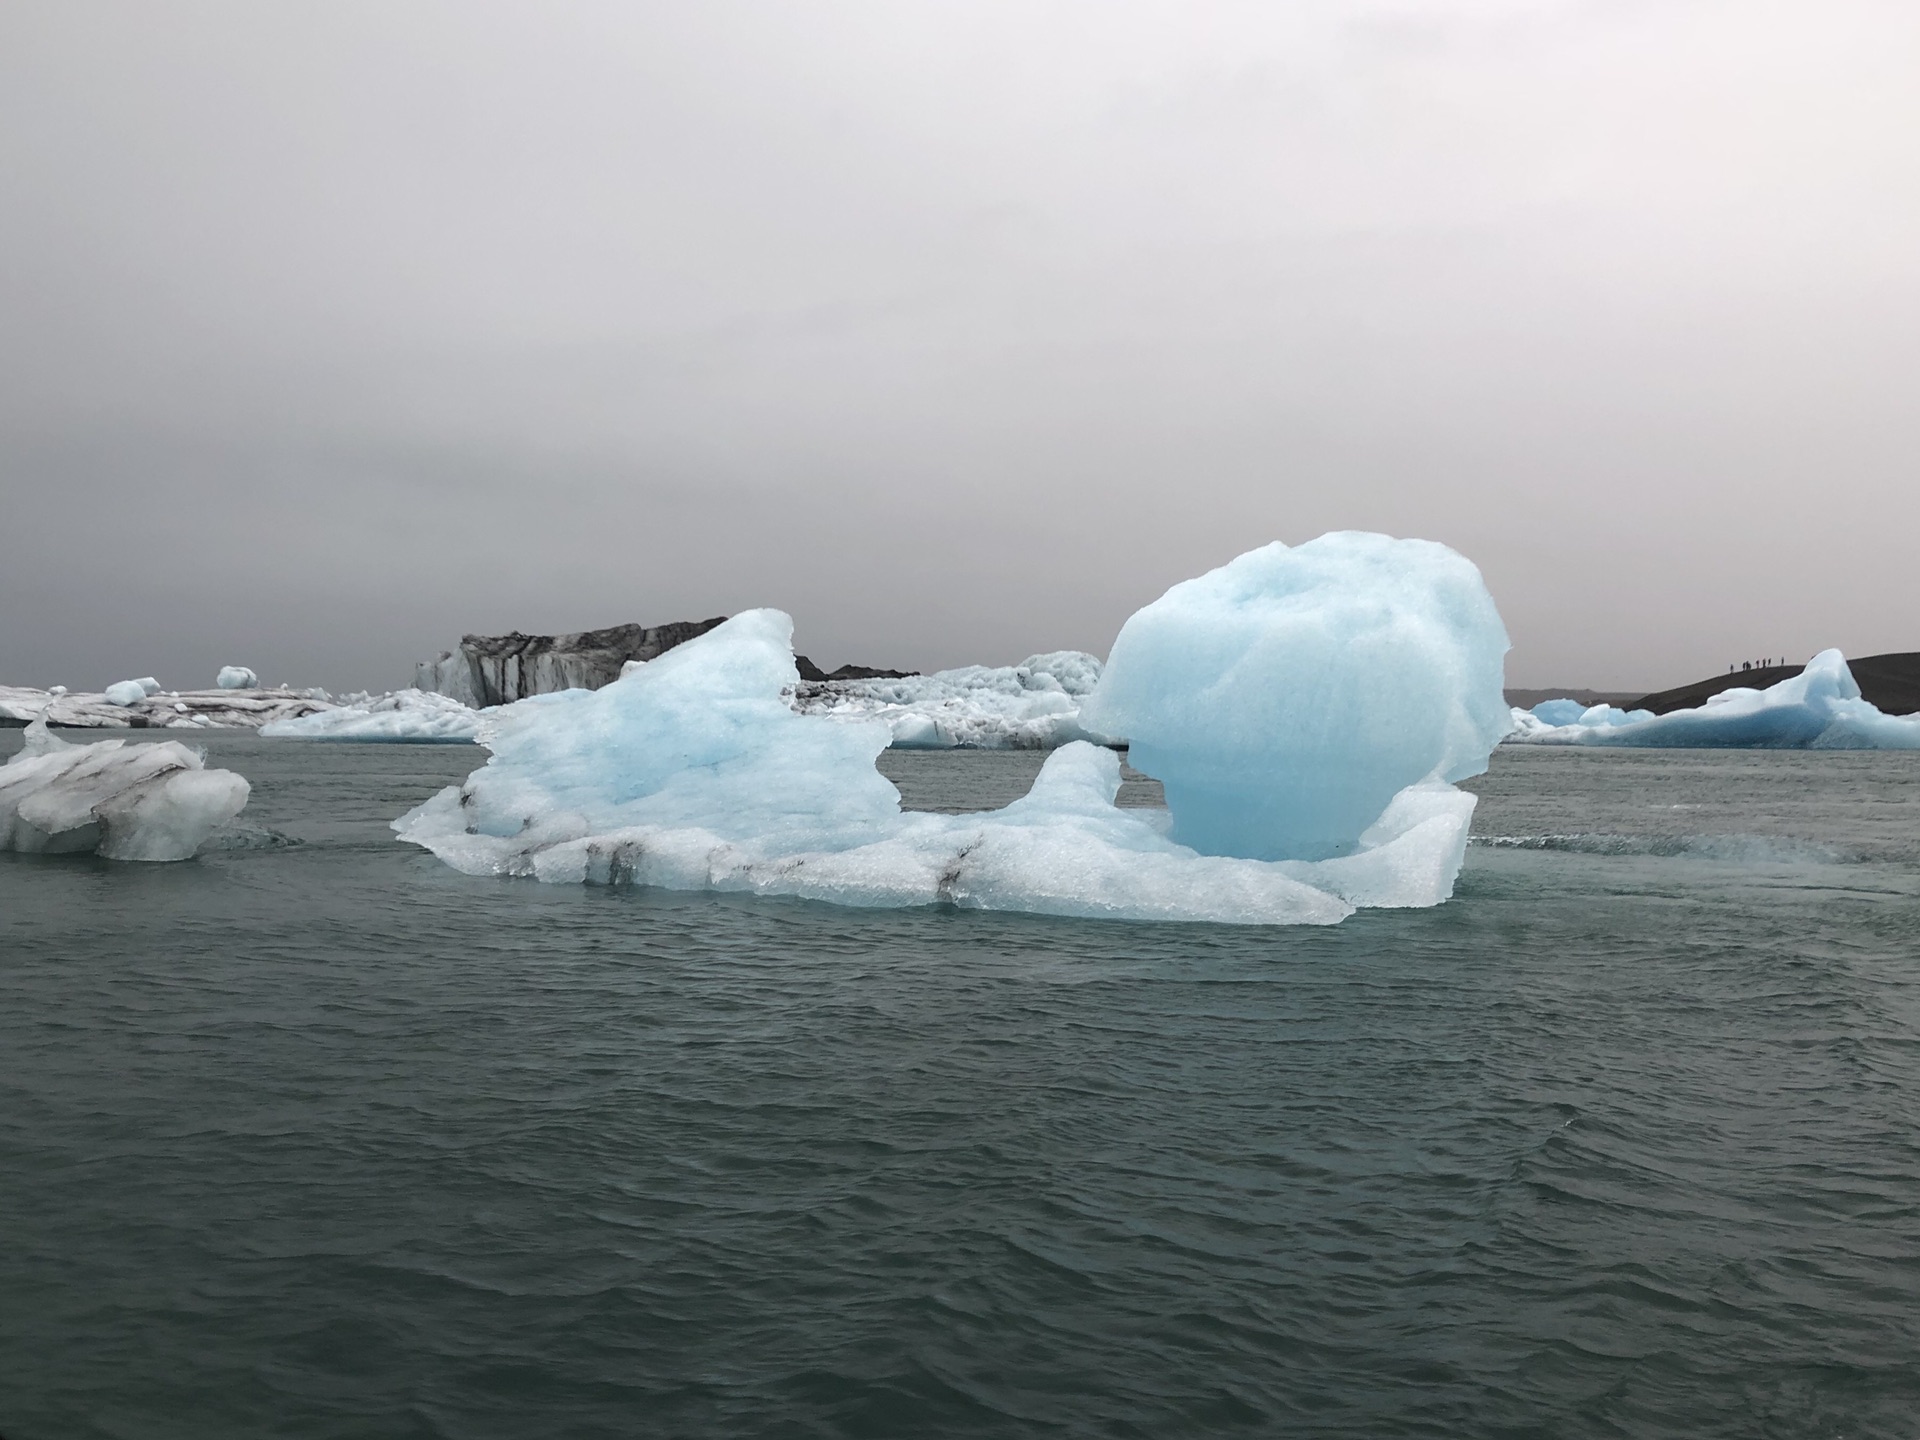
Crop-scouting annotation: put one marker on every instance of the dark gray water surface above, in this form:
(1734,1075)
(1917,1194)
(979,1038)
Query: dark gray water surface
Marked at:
(324,1139)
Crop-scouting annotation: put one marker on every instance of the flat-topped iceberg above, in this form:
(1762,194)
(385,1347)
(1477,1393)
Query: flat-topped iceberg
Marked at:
(413,715)
(1818,709)
(126,802)
(1034,705)
(692,771)
(136,706)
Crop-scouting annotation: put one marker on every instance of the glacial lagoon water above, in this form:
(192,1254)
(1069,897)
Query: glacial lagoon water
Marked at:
(315,1137)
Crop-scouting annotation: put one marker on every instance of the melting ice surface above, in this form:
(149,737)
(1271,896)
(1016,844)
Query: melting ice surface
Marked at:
(126,802)
(131,692)
(693,772)
(1818,709)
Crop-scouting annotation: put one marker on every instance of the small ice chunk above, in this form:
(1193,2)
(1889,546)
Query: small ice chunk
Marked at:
(125,802)
(1559,712)
(37,739)
(170,816)
(125,692)
(237,677)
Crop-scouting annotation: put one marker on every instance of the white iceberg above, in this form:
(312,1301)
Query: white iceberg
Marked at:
(417,715)
(1034,705)
(693,772)
(237,677)
(126,692)
(126,802)
(1818,709)
(1572,712)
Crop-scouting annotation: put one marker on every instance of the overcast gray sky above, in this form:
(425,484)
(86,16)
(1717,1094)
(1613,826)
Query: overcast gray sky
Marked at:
(330,331)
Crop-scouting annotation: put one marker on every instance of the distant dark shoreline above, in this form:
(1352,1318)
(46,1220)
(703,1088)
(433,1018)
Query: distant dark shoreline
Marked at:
(1889,682)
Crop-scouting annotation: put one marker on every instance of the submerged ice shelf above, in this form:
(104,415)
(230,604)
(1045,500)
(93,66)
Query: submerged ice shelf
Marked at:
(125,802)
(1818,709)
(693,771)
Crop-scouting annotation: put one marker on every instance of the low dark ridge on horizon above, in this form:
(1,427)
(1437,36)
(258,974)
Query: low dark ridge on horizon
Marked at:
(1890,682)
(815,675)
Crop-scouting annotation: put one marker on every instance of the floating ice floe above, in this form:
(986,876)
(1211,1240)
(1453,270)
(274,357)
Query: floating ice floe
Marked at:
(131,692)
(692,771)
(126,802)
(237,677)
(131,704)
(1818,709)
(1034,705)
(417,715)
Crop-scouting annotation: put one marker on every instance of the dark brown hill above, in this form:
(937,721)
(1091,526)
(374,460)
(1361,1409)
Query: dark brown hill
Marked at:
(1892,682)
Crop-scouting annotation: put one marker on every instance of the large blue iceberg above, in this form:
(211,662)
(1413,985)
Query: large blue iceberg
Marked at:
(693,771)
(1284,699)
(1818,709)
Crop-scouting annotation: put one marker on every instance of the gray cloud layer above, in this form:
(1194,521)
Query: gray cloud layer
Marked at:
(330,331)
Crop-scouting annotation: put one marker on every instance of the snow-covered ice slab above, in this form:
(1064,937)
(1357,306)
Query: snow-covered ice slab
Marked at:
(126,802)
(414,715)
(693,772)
(1818,709)
(1034,705)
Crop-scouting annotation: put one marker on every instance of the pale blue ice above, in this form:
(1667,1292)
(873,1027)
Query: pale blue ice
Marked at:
(693,771)
(1285,698)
